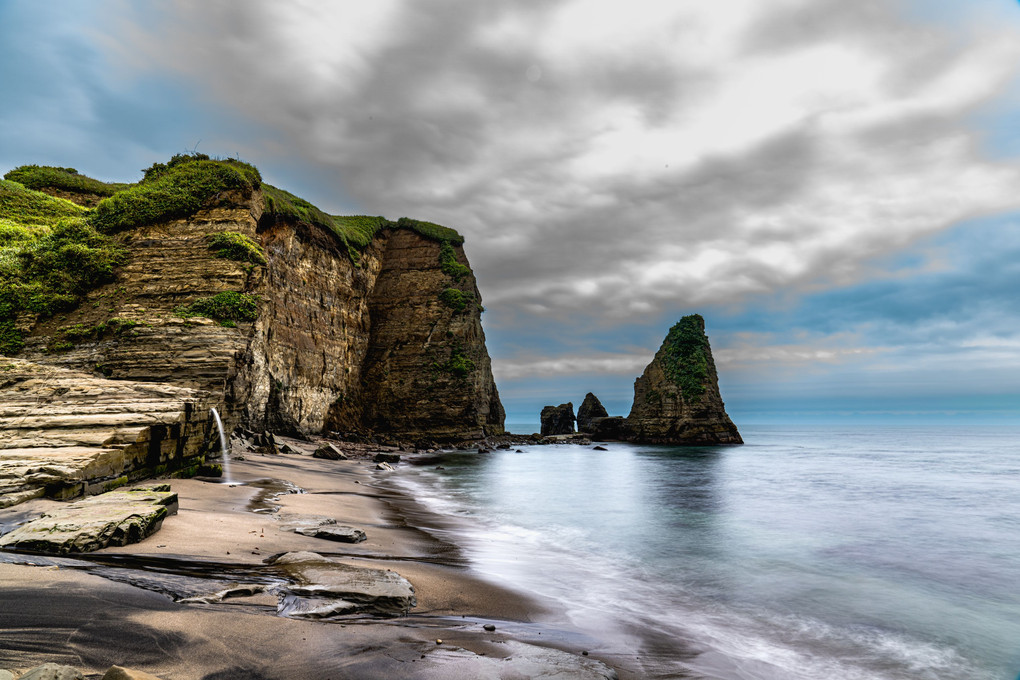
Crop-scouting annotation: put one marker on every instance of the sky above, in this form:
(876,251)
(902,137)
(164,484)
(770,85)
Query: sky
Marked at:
(834,186)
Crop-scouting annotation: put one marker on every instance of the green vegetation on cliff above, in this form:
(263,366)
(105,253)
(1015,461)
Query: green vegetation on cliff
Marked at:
(455,299)
(356,231)
(449,264)
(49,258)
(233,245)
(27,208)
(685,356)
(63,179)
(225,306)
(173,190)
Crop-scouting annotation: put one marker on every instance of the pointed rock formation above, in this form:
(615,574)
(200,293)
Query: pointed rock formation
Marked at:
(676,399)
(558,419)
(590,409)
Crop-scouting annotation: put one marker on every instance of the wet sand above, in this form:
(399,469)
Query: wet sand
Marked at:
(70,614)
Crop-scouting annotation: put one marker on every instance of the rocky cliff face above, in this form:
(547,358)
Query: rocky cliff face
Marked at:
(303,335)
(676,399)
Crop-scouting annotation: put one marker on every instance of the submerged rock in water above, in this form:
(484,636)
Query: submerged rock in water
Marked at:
(558,419)
(590,409)
(325,587)
(114,518)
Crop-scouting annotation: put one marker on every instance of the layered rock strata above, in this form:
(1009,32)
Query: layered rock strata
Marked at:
(558,419)
(66,433)
(590,409)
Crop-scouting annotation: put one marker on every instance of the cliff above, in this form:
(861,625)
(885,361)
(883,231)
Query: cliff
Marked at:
(676,399)
(239,296)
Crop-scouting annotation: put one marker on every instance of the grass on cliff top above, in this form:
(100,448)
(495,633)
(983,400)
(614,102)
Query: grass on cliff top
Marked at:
(64,179)
(26,207)
(685,359)
(171,190)
(356,231)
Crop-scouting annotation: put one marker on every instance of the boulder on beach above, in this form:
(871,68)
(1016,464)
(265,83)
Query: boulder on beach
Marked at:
(390,458)
(113,518)
(590,409)
(329,452)
(324,587)
(119,673)
(558,419)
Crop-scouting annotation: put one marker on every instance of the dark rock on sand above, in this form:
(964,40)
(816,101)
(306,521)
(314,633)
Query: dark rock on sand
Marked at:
(590,409)
(329,452)
(387,458)
(113,518)
(558,419)
(319,526)
(334,532)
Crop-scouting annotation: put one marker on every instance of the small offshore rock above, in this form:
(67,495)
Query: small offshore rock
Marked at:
(590,409)
(119,673)
(599,448)
(489,627)
(387,458)
(558,419)
(52,671)
(329,452)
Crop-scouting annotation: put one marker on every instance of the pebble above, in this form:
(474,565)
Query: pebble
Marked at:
(439,642)
(489,627)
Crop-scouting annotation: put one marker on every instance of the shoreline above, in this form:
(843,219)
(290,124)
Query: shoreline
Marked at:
(216,528)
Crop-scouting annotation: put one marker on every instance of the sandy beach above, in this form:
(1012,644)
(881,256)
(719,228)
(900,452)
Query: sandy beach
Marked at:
(117,606)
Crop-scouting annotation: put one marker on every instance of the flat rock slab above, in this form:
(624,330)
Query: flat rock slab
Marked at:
(324,587)
(334,532)
(52,671)
(114,518)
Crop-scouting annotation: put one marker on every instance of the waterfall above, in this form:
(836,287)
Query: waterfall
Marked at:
(223,447)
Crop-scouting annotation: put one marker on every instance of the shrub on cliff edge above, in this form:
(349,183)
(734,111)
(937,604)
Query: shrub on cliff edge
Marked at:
(173,190)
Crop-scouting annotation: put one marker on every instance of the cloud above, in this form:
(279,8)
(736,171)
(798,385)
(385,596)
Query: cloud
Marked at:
(620,159)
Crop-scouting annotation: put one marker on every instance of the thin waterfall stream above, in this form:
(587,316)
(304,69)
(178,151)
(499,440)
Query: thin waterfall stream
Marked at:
(223,447)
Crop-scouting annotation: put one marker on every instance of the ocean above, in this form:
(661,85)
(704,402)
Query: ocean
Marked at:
(814,553)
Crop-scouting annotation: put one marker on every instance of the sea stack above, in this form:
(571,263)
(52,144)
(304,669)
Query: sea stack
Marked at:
(558,419)
(590,409)
(676,399)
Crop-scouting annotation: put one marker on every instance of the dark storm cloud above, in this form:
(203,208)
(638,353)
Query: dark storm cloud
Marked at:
(618,175)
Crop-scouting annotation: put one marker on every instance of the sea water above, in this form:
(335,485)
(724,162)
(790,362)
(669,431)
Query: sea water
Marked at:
(817,553)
